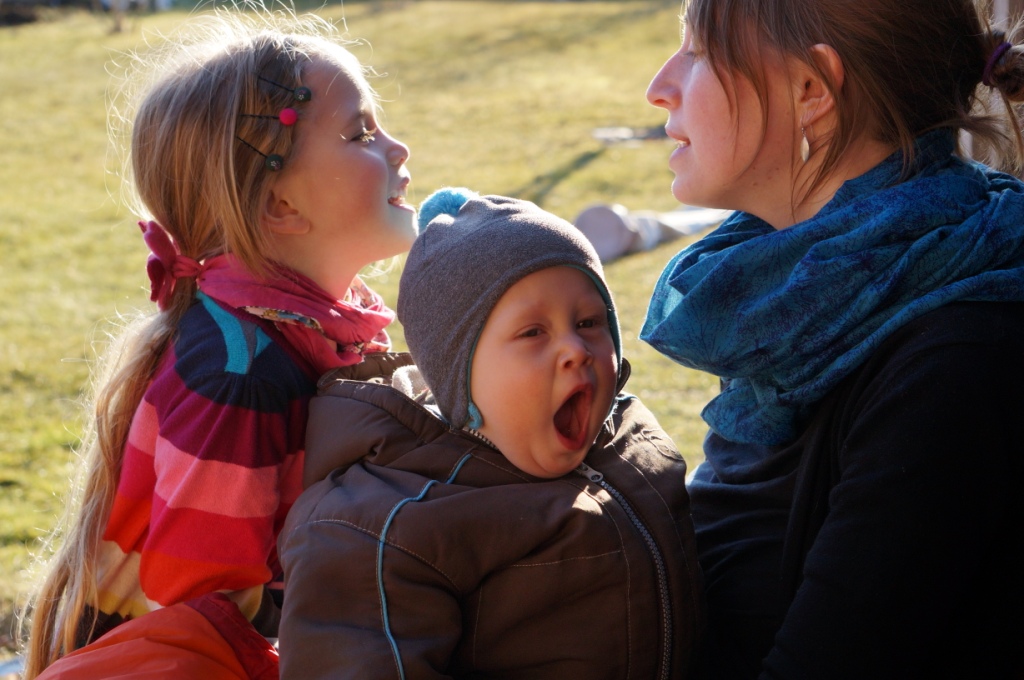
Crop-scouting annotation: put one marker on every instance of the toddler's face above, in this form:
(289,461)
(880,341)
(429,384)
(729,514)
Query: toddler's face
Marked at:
(544,371)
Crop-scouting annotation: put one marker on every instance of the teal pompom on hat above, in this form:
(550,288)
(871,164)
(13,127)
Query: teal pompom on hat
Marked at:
(470,250)
(444,201)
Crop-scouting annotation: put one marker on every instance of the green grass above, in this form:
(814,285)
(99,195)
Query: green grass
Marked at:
(500,97)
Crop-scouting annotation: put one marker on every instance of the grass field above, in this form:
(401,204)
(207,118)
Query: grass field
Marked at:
(500,97)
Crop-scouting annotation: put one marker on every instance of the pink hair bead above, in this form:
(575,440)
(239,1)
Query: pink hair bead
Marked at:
(288,116)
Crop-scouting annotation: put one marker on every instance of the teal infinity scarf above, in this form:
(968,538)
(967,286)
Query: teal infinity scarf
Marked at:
(783,316)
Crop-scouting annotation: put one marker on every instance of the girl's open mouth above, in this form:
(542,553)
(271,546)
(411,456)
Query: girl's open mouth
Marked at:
(572,418)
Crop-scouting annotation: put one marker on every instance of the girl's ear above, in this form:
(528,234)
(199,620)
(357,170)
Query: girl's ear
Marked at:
(814,100)
(280,216)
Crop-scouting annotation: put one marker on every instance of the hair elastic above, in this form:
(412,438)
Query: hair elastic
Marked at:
(993,61)
(165,265)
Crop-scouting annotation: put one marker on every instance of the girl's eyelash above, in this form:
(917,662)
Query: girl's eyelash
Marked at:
(366,135)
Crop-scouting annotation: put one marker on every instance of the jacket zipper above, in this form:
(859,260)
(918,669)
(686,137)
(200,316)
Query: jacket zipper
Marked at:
(659,563)
(652,547)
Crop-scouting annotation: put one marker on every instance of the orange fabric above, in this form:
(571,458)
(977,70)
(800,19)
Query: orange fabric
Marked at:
(204,638)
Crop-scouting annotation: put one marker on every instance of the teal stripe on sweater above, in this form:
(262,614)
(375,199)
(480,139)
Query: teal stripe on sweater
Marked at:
(241,343)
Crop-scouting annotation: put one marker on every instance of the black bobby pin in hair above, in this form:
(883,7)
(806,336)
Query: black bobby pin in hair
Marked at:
(301,94)
(272,162)
(287,117)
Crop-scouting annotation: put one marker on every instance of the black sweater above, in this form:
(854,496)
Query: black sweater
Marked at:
(883,543)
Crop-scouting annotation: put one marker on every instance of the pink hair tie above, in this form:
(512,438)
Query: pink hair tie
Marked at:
(993,61)
(165,265)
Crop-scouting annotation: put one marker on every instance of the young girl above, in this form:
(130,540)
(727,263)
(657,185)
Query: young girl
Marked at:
(864,309)
(269,184)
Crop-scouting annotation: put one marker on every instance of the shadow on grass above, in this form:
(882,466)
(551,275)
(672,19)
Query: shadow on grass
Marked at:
(542,185)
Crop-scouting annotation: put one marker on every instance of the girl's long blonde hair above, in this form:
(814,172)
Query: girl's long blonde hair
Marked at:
(196,166)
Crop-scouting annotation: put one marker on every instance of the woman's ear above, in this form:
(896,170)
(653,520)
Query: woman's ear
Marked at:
(814,99)
(280,216)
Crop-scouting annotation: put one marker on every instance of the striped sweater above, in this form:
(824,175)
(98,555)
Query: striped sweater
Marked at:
(212,465)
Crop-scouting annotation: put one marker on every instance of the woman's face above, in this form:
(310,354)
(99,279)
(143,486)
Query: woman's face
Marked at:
(730,154)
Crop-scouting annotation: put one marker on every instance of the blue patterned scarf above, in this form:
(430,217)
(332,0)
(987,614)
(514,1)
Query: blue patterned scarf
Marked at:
(785,315)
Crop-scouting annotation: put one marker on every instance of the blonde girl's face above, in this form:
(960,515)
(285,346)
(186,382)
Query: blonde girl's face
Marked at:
(725,156)
(344,183)
(544,371)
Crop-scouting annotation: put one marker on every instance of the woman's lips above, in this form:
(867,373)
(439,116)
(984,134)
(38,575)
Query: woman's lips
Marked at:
(680,139)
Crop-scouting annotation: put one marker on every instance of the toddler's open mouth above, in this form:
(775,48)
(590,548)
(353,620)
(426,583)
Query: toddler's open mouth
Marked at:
(572,418)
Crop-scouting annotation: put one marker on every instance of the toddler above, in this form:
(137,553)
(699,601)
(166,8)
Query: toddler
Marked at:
(539,527)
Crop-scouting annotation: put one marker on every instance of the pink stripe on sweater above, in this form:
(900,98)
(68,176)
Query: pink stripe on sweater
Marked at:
(226,489)
(145,427)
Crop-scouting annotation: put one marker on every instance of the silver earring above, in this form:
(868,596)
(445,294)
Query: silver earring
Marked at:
(805,146)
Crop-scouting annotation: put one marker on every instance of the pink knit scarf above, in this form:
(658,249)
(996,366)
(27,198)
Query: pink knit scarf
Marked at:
(326,332)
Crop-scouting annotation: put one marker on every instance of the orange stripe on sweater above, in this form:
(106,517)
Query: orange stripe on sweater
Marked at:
(168,580)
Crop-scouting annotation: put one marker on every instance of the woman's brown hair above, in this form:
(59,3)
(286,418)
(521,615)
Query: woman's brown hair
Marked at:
(910,67)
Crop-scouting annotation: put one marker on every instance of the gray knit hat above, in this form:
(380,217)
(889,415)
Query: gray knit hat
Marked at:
(470,250)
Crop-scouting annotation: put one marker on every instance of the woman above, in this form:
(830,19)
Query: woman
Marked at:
(863,307)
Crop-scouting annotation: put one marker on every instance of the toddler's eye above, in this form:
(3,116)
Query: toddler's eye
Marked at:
(366,136)
(589,323)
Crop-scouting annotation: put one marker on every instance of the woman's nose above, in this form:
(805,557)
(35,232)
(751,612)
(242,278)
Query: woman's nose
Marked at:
(663,91)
